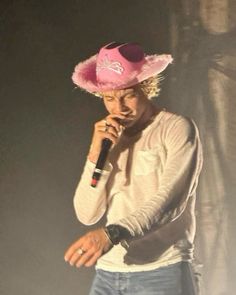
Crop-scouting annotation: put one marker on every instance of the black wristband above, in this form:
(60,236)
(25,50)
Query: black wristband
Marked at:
(116,233)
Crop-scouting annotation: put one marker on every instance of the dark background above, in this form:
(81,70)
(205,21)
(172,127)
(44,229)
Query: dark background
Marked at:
(46,125)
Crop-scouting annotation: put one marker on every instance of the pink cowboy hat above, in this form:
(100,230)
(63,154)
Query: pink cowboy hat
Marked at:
(118,66)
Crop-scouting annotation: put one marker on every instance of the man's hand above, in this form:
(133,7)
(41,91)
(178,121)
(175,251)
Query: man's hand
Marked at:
(106,128)
(88,248)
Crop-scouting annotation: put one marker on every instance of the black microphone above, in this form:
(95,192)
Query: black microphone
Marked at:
(106,144)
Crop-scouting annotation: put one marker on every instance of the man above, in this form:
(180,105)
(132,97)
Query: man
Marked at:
(147,188)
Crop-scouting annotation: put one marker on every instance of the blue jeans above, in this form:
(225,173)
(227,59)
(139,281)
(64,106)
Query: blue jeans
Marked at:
(175,279)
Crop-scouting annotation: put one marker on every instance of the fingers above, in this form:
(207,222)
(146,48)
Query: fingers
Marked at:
(106,128)
(72,250)
(76,256)
(81,256)
(113,120)
(83,250)
(88,248)
(93,259)
(89,258)
(109,133)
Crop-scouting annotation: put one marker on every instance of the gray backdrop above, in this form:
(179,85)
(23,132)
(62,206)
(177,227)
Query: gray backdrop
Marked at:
(46,126)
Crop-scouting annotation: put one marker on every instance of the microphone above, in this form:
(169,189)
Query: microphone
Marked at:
(106,144)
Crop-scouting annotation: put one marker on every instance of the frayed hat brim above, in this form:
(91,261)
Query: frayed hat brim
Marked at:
(84,75)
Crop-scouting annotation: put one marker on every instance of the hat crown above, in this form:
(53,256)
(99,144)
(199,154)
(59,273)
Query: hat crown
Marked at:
(117,61)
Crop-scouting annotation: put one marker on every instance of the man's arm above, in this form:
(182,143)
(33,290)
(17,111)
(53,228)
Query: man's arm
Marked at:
(178,182)
(89,202)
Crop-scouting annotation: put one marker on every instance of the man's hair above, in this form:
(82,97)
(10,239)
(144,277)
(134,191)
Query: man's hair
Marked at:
(150,87)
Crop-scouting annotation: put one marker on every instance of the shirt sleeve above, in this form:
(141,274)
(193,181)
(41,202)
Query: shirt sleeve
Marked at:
(90,203)
(178,182)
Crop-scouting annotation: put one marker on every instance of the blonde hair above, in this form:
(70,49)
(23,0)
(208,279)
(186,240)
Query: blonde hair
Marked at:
(150,87)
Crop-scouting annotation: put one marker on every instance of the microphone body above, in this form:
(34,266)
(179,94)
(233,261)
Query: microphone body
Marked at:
(106,144)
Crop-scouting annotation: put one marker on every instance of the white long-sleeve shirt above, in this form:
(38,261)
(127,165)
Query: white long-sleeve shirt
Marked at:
(148,187)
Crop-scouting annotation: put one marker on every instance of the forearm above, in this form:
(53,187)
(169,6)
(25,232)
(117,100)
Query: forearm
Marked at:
(90,203)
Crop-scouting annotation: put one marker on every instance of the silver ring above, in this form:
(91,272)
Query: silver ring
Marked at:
(106,125)
(80,251)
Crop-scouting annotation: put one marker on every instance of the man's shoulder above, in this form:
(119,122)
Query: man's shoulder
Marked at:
(172,124)
(169,119)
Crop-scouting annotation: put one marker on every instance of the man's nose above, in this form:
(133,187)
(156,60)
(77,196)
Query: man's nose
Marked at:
(122,107)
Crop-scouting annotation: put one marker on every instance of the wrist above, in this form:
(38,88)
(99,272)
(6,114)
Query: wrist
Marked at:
(116,233)
(93,157)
